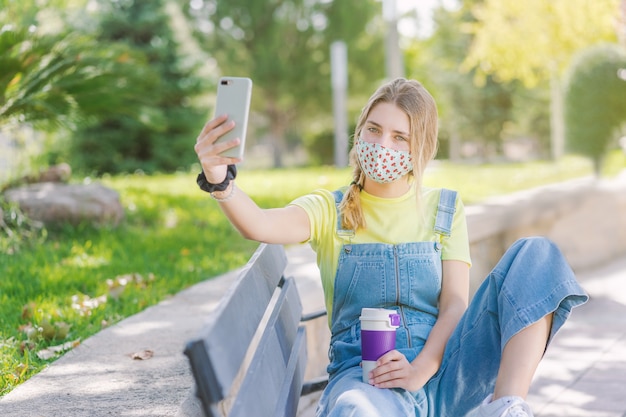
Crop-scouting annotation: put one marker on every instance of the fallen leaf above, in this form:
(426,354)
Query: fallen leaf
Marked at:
(121,282)
(47,329)
(28,310)
(142,355)
(45,354)
(27,345)
(53,351)
(31,332)
(84,304)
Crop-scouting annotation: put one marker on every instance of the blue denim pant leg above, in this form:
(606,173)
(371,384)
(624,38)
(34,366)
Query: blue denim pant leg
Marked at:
(348,396)
(531,280)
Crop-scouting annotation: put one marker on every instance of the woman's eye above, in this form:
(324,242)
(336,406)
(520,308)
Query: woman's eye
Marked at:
(372,129)
(401,138)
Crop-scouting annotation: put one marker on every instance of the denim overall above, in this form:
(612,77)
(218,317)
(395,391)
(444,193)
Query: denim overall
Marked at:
(530,281)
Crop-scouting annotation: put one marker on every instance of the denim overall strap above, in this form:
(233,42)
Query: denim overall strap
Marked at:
(445,213)
(341,232)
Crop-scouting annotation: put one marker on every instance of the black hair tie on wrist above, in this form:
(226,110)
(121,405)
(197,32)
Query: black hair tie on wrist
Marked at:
(204,185)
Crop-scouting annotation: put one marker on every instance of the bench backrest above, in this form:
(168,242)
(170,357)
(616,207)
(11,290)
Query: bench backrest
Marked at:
(261,298)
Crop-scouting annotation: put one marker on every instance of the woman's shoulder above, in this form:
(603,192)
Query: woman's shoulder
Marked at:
(320,198)
(322,212)
(434,193)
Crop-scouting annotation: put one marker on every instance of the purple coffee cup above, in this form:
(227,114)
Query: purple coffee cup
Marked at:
(378,336)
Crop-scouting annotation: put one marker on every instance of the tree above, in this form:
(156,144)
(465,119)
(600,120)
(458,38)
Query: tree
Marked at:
(533,41)
(159,139)
(467,112)
(56,83)
(54,80)
(283,45)
(60,78)
(595,101)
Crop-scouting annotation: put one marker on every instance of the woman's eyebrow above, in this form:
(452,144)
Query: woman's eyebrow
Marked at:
(371,122)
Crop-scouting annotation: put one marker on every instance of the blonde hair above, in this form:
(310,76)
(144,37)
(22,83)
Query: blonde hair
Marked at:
(412,98)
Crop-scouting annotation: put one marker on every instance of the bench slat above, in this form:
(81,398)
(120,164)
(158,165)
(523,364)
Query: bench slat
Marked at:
(289,394)
(234,324)
(271,363)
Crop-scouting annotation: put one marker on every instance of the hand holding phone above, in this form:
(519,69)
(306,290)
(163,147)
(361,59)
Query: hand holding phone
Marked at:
(233,99)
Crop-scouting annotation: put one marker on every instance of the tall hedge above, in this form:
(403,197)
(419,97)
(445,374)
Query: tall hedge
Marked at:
(595,101)
(162,137)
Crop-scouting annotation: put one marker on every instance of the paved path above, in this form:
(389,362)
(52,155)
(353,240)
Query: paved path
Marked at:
(583,374)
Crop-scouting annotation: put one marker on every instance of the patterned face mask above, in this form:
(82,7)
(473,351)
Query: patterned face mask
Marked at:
(382,164)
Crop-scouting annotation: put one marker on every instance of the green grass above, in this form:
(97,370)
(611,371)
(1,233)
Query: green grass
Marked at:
(174,236)
(478,182)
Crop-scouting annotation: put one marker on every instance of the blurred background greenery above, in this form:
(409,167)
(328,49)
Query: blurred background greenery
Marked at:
(528,92)
(118,86)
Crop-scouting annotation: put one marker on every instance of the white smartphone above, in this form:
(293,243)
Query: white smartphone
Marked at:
(233,99)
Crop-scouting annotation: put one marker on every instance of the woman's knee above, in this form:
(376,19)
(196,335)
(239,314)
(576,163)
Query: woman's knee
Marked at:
(347,395)
(536,246)
(530,256)
(368,401)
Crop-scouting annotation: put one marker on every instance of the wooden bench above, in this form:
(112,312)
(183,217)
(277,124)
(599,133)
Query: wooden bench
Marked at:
(249,360)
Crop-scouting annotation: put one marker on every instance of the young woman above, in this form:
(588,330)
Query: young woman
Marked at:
(385,241)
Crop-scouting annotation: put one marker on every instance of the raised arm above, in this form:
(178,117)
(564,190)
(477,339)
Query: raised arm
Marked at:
(276,225)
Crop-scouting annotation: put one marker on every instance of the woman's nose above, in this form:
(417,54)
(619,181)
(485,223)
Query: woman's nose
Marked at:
(383,139)
(387,140)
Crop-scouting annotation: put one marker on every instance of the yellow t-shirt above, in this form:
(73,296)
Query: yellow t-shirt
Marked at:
(388,220)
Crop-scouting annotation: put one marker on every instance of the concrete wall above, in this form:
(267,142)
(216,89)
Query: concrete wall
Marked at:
(586,218)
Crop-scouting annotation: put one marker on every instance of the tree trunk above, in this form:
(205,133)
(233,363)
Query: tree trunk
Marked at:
(597,166)
(278,127)
(278,145)
(454,152)
(621,25)
(557,128)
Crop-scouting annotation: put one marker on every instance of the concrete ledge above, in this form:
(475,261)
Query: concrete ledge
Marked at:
(586,218)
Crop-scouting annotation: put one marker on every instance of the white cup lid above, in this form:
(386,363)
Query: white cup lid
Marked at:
(381,314)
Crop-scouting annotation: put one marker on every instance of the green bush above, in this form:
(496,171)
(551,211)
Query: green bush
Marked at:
(160,138)
(320,146)
(17,231)
(595,102)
